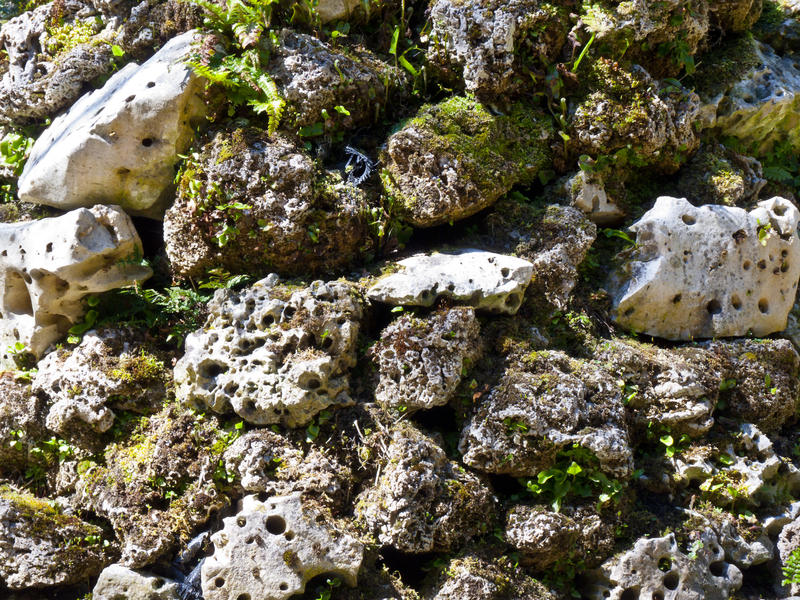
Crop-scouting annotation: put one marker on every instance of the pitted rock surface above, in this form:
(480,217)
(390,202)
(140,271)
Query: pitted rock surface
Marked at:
(314,77)
(119,144)
(709,271)
(760,105)
(37,544)
(267,463)
(272,355)
(484,280)
(543,405)
(480,41)
(48,266)
(108,369)
(271,549)
(455,158)
(424,502)
(657,568)
(264,194)
(40,78)
(421,360)
(117,582)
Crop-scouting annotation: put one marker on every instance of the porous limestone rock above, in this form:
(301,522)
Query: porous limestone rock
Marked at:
(273,355)
(21,423)
(117,582)
(480,42)
(627,114)
(541,405)
(473,577)
(266,462)
(156,486)
(253,203)
(744,554)
(763,386)
(48,266)
(656,568)
(788,542)
(758,100)
(779,26)
(456,158)
(709,271)
(119,144)
(37,543)
(587,192)
(675,389)
(421,360)
(554,238)
(545,538)
(484,280)
(314,78)
(108,369)
(424,502)
(43,75)
(719,175)
(641,26)
(271,549)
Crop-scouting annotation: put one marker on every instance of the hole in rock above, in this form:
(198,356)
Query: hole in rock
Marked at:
(676,298)
(784,267)
(746,265)
(288,312)
(49,247)
(736,302)
(17,299)
(717,568)
(243,597)
(241,521)
(411,567)
(130,98)
(289,535)
(665,564)
(630,594)
(276,525)
(512,301)
(504,272)
(779,210)
(739,235)
(313,384)
(284,586)
(151,84)
(210,370)
(714,307)
(629,312)
(147,142)
(763,305)
(671,581)
(219,582)
(762,264)
(689,219)
(658,596)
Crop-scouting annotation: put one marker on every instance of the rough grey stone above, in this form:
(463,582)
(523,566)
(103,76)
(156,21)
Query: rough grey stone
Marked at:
(37,543)
(710,271)
(108,369)
(656,567)
(423,502)
(117,582)
(47,267)
(272,355)
(421,360)
(119,144)
(484,280)
(543,405)
(253,203)
(271,549)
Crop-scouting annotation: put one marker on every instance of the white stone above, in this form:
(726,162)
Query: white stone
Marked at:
(709,271)
(47,267)
(763,105)
(488,281)
(270,355)
(119,144)
(271,549)
(588,193)
(701,575)
(116,582)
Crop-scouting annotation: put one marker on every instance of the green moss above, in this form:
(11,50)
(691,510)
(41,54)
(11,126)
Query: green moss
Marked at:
(64,37)
(143,368)
(724,65)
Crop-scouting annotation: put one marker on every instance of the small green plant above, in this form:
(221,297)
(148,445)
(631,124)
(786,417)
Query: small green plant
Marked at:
(576,473)
(791,568)
(324,593)
(313,428)
(764,232)
(14,150)
(239,63)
